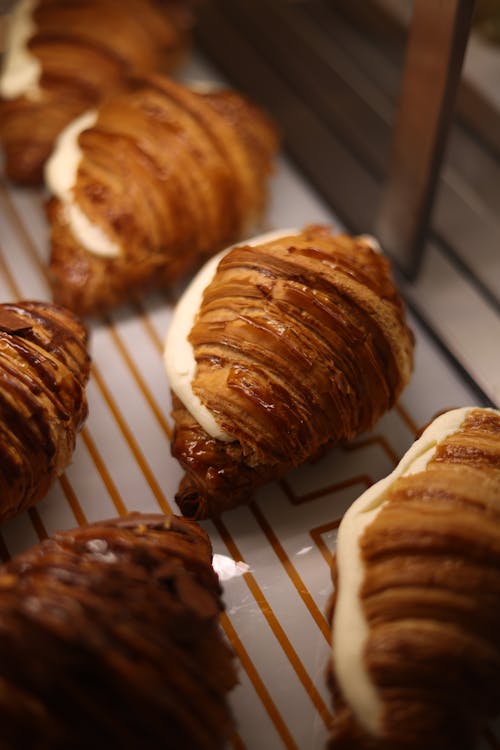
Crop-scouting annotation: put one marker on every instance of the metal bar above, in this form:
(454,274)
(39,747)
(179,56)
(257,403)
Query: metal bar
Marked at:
(438,38)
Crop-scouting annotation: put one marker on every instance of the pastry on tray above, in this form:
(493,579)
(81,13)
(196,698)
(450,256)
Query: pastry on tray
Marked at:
(280,347)
(109,638)
(44,367)
(416,615)
(150,183)
(62,57)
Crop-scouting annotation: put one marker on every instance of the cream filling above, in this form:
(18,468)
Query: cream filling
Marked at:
(60,175)
(371,241)
(179,359)
(21,70)
(350,628)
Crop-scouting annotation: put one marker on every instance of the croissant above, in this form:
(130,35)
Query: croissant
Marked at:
(416,616)
(165,176)
(109,637)
(63,57)
(280,348)
(44,367)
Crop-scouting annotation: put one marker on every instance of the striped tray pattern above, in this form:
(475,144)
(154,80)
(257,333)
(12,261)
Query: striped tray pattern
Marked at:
(274,555)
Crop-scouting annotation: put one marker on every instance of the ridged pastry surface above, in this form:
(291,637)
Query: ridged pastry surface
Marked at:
(85,51)
(44,367)
(300,343)
(170,176)
(109,637)
(430,596)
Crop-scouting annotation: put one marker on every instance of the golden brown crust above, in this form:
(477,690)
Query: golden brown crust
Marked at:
(430,595)
(44,367)
(109,637)
(171,176)
(300,343)
(86,51)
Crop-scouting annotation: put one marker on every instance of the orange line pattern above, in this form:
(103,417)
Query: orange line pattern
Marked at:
(317,537)
(277,629)
(139,380)
(330,489)
(73,501)
(104,473)
(257,682)
(298,583)
(374,440)
(134,447)
(407,419)
(37,523)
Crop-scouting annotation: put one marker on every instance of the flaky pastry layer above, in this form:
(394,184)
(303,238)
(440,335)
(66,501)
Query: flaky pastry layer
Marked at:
(86,50)
(44,367)
(109,637)
(430,595)
(300,343)
(168,174)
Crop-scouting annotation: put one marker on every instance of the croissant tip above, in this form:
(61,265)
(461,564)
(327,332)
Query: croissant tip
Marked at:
(191,505)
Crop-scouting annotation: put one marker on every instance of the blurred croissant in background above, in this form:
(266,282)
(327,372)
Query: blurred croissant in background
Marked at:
(297,342)
(62,57)
(416,615)
(164,176)
(44,367)
(109,638)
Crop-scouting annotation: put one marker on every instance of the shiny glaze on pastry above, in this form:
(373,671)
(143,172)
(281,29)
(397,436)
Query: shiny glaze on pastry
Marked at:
(44,367)
(170,176)
(74,55)
(420,623)
(180,362)
(109,637)
(300,343)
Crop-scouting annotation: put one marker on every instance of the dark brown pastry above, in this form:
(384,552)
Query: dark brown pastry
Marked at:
(422,576)
(86,50)
(109,638)
(44,367)
(169,175)
(300,343)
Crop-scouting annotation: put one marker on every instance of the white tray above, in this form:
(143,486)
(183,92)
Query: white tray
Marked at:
(274,556)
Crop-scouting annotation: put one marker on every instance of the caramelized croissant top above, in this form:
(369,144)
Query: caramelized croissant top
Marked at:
(84,50)
(44,367)
(109,638)
(300,342)
(416,628)
(168,175)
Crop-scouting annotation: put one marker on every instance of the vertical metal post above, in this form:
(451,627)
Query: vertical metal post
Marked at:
(437,40)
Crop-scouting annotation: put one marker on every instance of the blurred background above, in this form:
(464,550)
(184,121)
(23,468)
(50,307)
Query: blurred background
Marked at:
(331,71)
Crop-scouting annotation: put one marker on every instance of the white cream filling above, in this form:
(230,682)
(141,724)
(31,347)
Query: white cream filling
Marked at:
(371,241)
(350,628)
(179,359)
(21,70)
(60,175)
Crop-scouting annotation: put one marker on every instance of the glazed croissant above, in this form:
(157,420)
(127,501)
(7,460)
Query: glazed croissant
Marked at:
(63,57)
(166,176)
(109,638)
(298,343)
(44,367)
(416,618)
